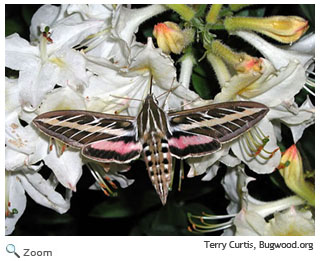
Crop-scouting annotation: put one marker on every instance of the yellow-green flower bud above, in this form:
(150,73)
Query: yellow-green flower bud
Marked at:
(171,38)
(291,168)
(285,29)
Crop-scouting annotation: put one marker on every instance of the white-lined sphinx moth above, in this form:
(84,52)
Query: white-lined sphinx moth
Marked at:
(156,135)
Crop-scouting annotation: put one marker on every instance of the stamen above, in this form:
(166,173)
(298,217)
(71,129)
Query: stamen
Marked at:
(110,182)
(124,107)
(205,227)
(254,143)
(172,173)
(61,147)
(10,213)
(95,171)
(94,40)
(50,148)
(181,175)
(46,34)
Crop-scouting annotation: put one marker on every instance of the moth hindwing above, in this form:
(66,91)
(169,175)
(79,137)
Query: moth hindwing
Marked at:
(154,134)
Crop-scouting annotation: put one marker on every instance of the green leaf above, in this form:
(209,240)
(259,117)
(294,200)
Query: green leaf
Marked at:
(201,83)
(112,208)
(309,12)
(13,26)
(254,12)
(200,10)
(28,12)
(168,220)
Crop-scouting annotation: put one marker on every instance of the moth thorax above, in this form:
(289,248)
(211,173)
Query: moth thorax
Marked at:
(158,162)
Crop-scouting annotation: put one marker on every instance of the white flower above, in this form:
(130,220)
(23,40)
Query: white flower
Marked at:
(24,147)
(116,41)
(39,189)
(290,222)
(12,95)
(110,83)
(273,84)
(296,118)
(24,151)
(302,51)
(92,12)
(250,220)
(247,214)
(15,203)
(48,63)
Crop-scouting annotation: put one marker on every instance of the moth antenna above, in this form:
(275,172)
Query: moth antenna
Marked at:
(168,92)
(126,98)
(183,105)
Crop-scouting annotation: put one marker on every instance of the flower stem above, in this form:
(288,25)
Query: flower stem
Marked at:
(237,7)
(183,10)
(187,63)
(222,73)
(145,13)
(213,14)
(225,53)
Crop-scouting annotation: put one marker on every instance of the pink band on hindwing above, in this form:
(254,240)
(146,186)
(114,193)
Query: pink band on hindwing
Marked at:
(184,141)
(119,147)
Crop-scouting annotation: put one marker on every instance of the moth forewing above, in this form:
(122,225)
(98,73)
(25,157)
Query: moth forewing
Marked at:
(223,121)
(78,128)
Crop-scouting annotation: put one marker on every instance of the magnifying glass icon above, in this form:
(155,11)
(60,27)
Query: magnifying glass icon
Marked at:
(12,249)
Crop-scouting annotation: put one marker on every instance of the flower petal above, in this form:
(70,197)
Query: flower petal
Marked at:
(126,29)
(69,32)
(72,71)
(20,54)
(249,223)
(291,222)
(101,12)
(199,165)
(12,95)
(14,160)
(17,137)
(297,119)
(67,167)
(283,85)
(17,200)
(63,98)
(43,192)
(36,83)
(211,172)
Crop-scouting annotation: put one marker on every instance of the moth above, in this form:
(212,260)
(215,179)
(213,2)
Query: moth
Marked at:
(156,135)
